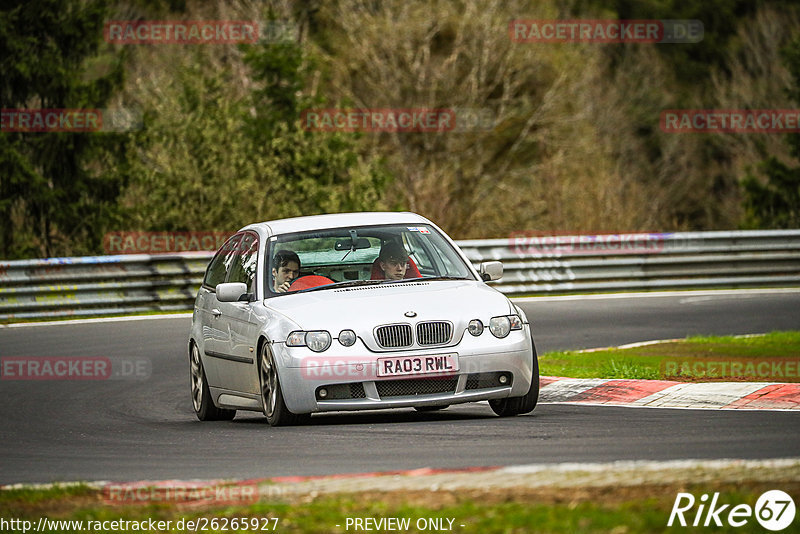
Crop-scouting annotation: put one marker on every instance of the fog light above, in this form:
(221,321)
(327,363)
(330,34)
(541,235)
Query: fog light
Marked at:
(503,379)
(322,393)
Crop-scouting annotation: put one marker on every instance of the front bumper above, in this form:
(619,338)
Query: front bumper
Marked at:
(477,378)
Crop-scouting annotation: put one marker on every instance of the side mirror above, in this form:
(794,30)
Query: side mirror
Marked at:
(232,292)
(491,270)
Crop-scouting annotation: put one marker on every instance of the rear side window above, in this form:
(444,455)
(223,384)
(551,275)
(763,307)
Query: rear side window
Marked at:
(243,268)
(222,262)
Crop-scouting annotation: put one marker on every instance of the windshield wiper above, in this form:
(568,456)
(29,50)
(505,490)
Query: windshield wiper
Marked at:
(337,285)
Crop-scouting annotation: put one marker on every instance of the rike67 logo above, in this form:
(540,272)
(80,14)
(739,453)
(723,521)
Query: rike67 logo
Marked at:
(774,510)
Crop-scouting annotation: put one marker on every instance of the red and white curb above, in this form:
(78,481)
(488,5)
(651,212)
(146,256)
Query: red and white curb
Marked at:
(669,394)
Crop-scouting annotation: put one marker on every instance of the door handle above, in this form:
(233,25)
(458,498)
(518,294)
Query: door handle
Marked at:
(216,312)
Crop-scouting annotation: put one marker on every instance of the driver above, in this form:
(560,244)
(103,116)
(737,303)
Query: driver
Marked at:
(393,260)
(285,269)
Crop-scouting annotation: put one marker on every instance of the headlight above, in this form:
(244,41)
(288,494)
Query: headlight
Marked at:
(347,338)
(501,326)
(475,327)
(316,340)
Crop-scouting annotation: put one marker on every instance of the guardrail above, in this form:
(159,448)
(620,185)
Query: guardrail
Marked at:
(105,285)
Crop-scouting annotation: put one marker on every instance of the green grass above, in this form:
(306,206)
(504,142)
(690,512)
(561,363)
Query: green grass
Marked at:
(620,510)
(653,362)
(32,495)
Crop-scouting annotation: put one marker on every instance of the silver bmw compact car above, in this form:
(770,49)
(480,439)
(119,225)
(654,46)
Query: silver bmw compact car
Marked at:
(354,311)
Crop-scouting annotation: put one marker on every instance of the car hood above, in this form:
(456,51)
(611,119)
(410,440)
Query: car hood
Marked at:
(362,308)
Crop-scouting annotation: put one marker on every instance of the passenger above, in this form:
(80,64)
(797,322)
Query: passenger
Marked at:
(285,270)
(393,260)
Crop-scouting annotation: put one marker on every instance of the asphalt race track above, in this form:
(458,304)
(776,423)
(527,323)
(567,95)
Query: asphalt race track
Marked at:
(124,430)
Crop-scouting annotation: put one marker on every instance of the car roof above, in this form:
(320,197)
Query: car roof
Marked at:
(336,220)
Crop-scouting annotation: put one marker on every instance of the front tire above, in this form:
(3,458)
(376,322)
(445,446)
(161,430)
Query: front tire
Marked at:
(272,403)
(520,405)
(202,402)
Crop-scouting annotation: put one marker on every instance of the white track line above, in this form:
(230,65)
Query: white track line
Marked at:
(662,294)
(567,467)
(100,320)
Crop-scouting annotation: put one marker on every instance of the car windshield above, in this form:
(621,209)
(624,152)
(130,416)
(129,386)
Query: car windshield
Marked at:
(322,259)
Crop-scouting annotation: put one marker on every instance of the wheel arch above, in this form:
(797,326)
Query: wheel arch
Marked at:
(262,340)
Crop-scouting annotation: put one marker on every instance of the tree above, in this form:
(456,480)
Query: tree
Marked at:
(222,145)
(776,203)
(323,172)
(54,197)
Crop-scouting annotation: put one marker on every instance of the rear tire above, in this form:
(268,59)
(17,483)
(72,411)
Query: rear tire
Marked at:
(272,403)
(519,405)
(202,402)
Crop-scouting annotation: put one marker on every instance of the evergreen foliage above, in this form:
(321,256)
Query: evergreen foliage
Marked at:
(776,203)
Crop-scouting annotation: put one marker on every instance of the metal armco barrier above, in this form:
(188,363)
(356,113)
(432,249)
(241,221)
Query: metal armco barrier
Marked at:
(100,285)
(105,285)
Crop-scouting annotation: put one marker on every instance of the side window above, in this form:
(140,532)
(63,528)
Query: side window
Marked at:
(218,268)
(450,266)
(243,268)
(419,255)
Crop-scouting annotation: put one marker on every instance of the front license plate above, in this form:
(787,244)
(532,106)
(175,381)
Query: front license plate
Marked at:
(418,365)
